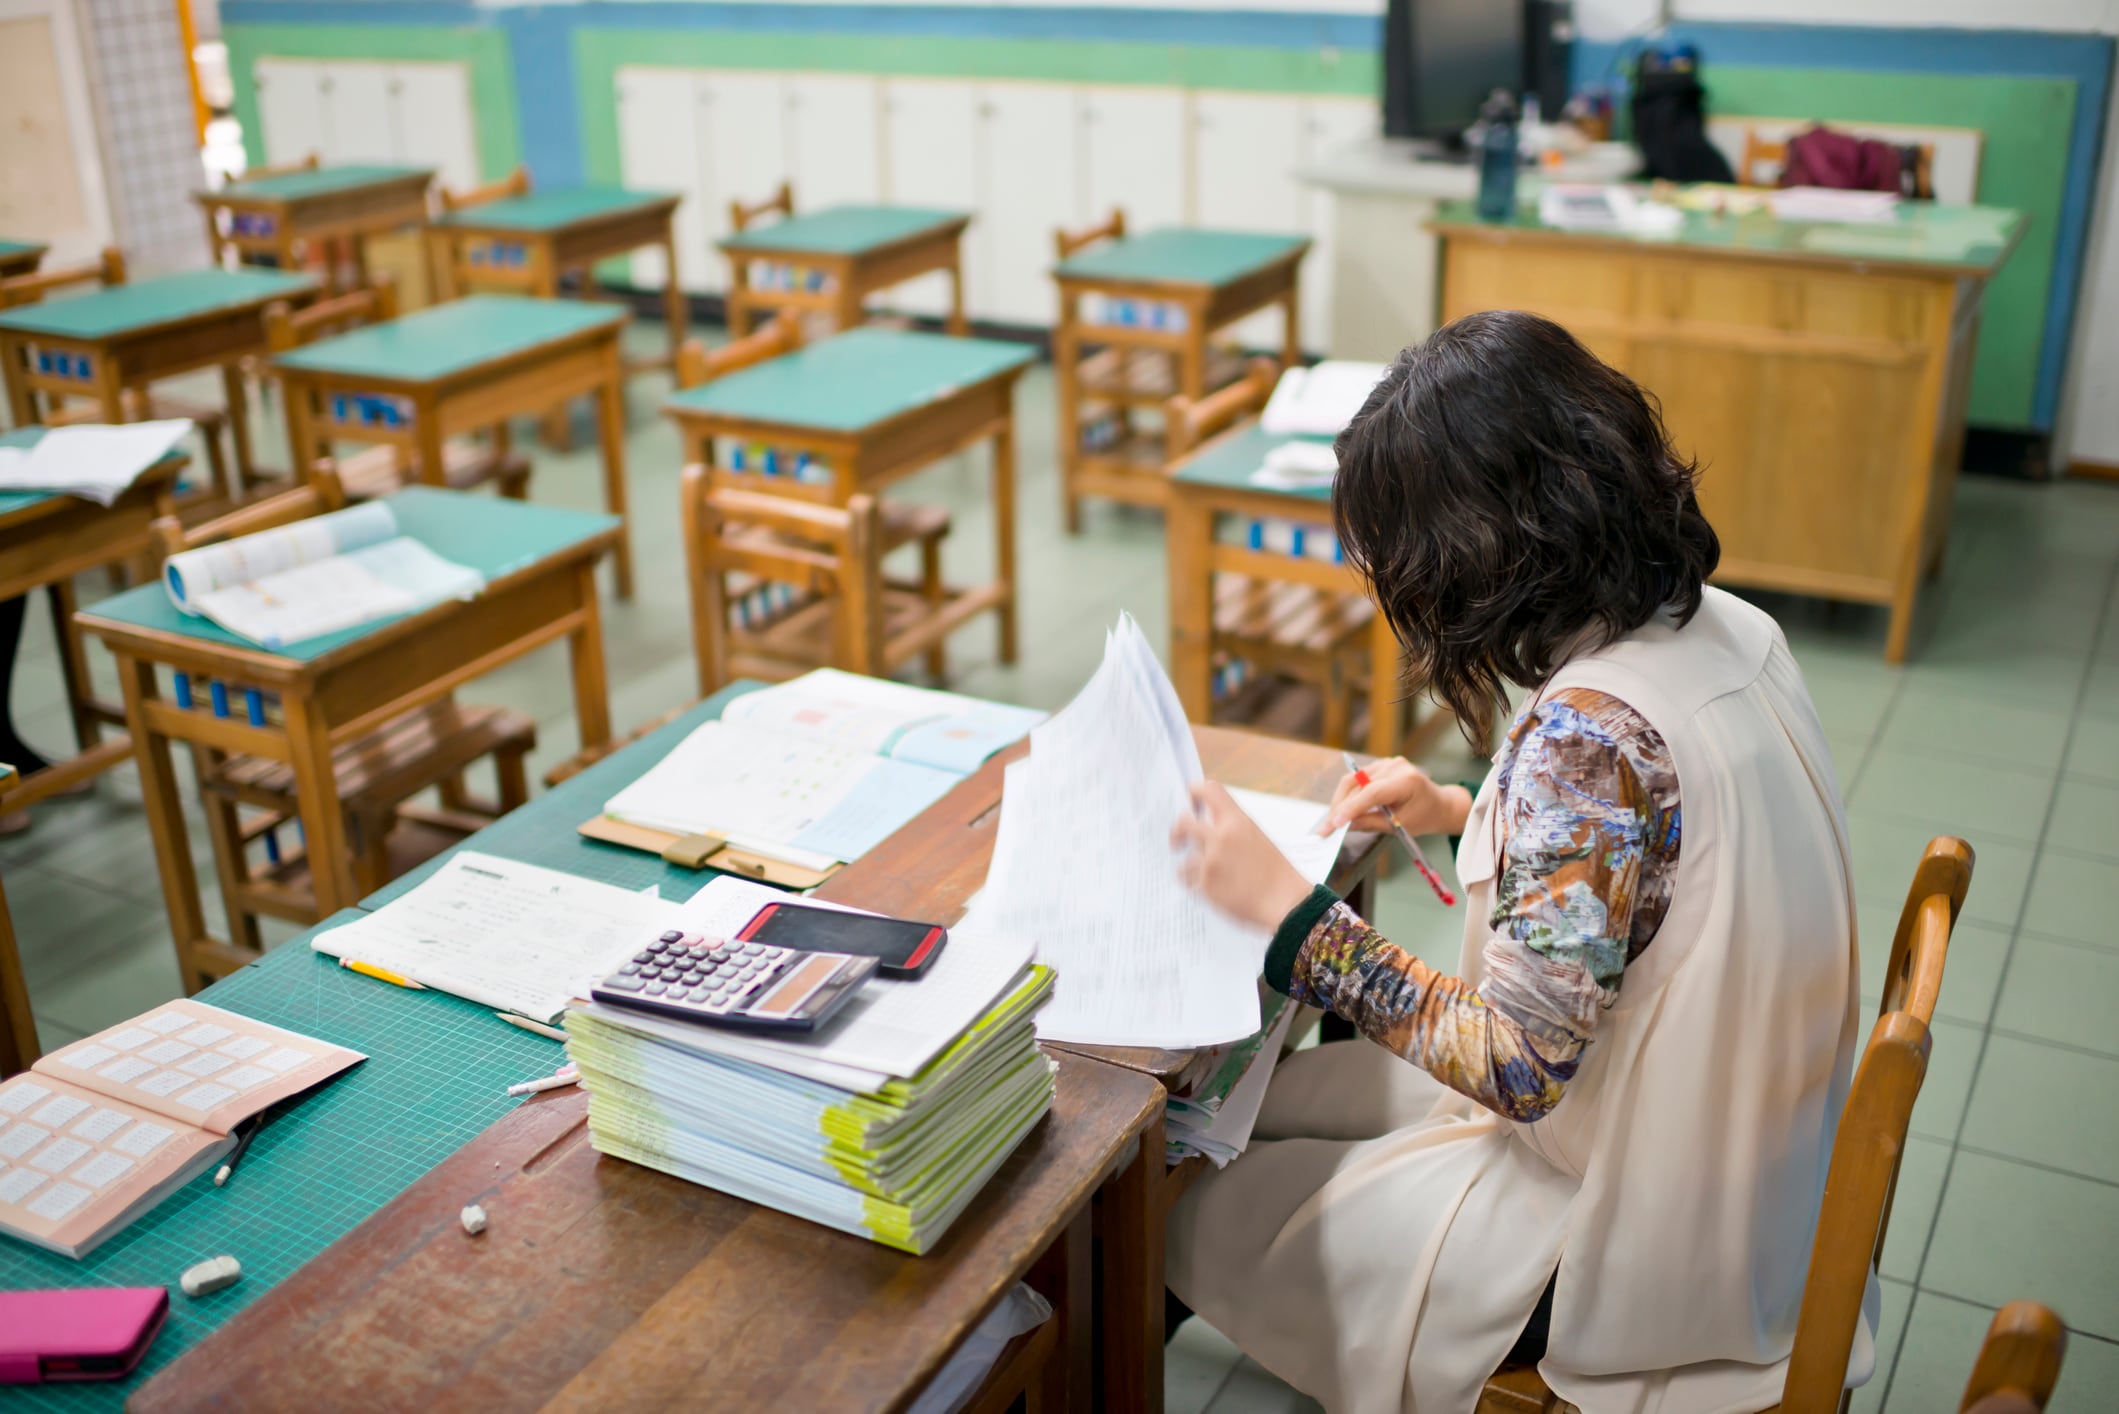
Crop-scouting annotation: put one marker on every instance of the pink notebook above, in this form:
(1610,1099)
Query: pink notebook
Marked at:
(98,1132)
(89,1333)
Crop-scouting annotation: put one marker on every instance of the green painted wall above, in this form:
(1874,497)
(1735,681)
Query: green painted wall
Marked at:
(2022,164)
(599,54)
(485,50)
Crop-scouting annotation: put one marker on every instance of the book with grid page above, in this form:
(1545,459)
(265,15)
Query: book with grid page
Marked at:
(97,1133)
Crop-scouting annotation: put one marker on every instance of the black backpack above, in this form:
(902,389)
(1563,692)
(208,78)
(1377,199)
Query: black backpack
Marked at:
(1670,125)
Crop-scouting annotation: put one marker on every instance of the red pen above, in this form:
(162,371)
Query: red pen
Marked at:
(1412,846)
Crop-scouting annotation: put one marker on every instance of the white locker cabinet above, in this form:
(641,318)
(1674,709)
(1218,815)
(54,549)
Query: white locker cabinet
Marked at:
(1029,186)
(744,136)
(290,108)
(660,149)
(360,113)
(1133,154)
(1245,148)
(931,152)
(834,140)
(434,123)
(1328,124)
(352,110)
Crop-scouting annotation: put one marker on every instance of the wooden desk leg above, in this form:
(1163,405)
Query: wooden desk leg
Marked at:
(246,471)
(1004,532)
(610,430)
(958,325)
(1384,658)
(592,692)
(674,312)
(441,265)
(1063,1276)
(1291,337)
(1130,1284)
(431,446)
(18,1027)
(14,368)
(558,426)
(1066,352)
(1188,530)
(165,822)
(323,815)
(735,305)
(73,665)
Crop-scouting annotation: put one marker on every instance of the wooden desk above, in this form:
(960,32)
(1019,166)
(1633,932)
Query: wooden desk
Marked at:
(462,367)
(273,220)
(834,259)
(128,336)
(1215,481)
(1163,293)
(870,408)
(45,540)
(540,568)
(526,244)
(1817,372)
(20,257)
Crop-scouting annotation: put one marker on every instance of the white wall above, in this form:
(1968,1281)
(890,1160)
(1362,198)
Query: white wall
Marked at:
(1610,19)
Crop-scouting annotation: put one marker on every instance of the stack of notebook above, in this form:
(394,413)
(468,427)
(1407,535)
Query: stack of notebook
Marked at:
(885,1124)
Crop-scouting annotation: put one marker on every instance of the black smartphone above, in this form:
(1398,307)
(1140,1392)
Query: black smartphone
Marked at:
(900,947)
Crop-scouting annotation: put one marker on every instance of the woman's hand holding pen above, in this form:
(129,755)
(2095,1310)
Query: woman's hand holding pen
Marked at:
(1406,791)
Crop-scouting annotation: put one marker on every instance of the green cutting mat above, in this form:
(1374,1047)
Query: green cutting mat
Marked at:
(437,1073)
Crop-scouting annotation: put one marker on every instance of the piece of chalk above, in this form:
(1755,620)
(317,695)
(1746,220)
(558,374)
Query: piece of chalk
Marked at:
(474,1219)
(210,1276)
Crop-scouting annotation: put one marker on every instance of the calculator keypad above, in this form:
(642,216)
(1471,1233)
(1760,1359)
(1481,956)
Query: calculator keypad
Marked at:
(697,973)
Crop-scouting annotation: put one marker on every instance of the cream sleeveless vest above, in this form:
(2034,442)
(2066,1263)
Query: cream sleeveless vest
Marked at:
(1385,1244)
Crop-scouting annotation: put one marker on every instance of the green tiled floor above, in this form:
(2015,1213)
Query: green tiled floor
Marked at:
(2005,728)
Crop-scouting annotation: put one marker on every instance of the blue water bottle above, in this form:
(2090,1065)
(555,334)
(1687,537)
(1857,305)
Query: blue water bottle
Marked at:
(1497,157)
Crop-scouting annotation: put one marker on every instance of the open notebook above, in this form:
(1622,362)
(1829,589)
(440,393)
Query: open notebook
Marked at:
(812,773)
(97,1133)
(315,577)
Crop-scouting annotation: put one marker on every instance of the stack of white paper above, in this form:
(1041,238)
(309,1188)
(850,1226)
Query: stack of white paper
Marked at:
(1082,865)
(315,577)
(1298,465)
(1834,204)
(95,462)
(1321,400)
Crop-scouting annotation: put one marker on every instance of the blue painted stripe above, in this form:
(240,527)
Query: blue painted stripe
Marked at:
(2085,58)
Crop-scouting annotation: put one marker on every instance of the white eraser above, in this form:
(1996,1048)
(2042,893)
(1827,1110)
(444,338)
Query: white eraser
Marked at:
(210,1276)
(474,1219)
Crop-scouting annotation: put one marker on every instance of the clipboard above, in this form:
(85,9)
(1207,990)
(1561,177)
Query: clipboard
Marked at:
(704,852)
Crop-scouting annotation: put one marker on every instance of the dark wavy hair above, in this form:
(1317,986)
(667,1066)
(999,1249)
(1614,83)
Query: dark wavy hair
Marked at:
(1513,500)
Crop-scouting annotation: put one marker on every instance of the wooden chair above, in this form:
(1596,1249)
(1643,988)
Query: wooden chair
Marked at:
(283,169)
(516,183)
(381,469)
(378,773)
(901,523)
(2019,1362)
(740,215)
(1291,627)
(1766,158)
(105,272)
(1863,1173)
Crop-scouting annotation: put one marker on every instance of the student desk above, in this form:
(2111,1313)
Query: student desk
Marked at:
(1163,293)
(46,538)
(1817,372)
(462,367)
(873,406)
(540,567)
(269,220)
(20,257)
(832,260)
(129,336)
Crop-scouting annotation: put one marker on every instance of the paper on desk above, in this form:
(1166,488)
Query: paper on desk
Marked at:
(1229,1134)
(1299,465)
(399,576)
(944,730)
(503,933)
(891,1027)
(1082,865)
(1321,400)
(95,462)
(193,573)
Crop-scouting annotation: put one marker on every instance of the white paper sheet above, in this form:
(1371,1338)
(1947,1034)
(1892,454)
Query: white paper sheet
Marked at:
(95,462)
(399,576)
(1300,465)
(1321,400)
(252,557)
(1229,1134)
(940,729)
(503,933)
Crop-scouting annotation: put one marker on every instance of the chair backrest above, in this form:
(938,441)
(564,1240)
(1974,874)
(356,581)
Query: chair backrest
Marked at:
(516,183)
(1190,421)
(1762,161)
(741,214)
(289,328)
(104,271)
(2019,1361)
(696,364)
(319,494)
(1068,242)
(307,164)
(831,552)
(1913,975)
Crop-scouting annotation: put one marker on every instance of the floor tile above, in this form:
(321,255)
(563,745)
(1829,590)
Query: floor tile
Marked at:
(2046,1105)
(121,986)
(1849,751)
(1850,702)
(1971,973)
(68,928)
(2072,897)
(2100,696)
(2014,733)
(1953,1057)
(2062,992)
(2008,1230)
(1887,851)
(1890,1333)
(1954,796)
(1196,1363)
(2094,750)
(1252,1390)
(1913,1206)
(2029,675)
(2086,817)
(1935,1354)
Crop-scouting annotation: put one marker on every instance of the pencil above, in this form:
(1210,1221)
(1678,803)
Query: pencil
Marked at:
(528,1025)
(242,1147)
(1412,846)
(369,970)
(566,1075)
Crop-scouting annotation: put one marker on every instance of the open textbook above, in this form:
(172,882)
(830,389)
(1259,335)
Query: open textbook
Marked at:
(91,460)
(1321,400)
(818,771)
(96,1133)
(1082,866)
(315,577)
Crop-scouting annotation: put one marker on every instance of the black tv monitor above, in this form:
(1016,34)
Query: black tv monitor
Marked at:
(1441,58)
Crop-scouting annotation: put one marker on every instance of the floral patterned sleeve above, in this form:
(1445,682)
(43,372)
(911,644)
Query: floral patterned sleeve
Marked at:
(1590,824)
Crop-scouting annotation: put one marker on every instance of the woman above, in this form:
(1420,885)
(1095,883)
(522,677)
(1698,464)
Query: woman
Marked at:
(1602,1145)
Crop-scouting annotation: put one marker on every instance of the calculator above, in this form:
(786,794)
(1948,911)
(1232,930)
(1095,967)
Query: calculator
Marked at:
(728,982)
